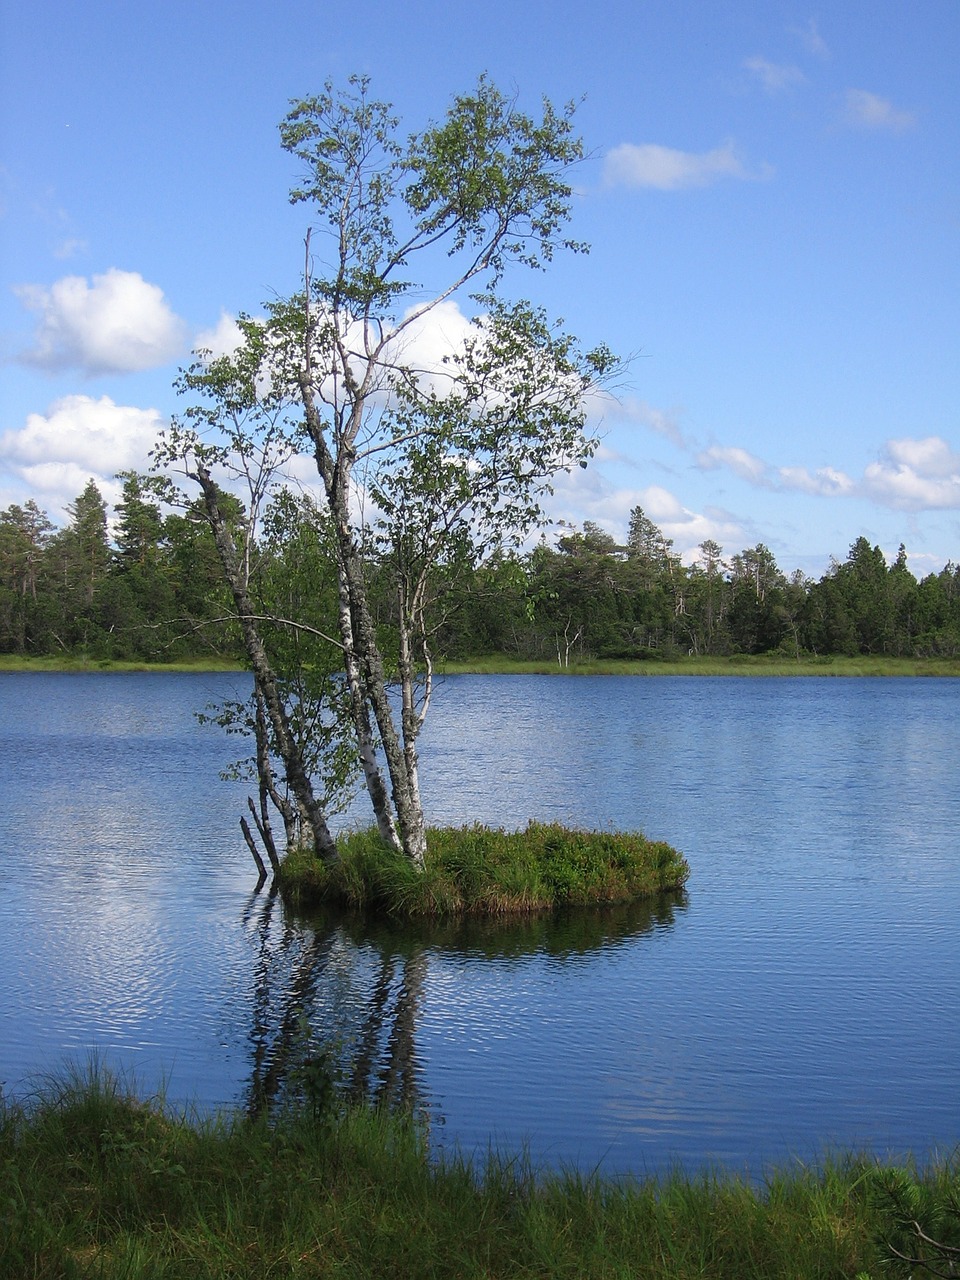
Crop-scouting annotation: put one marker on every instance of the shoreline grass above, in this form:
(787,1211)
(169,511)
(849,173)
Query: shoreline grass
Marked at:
(12,663)
(96,1183)
(483,871)
(837,665)
(764,664)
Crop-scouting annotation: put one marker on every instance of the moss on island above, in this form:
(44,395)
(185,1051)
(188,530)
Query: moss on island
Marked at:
(481,870)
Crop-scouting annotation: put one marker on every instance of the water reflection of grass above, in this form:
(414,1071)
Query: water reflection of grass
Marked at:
(94,1182)
(559,934)
(483,871)
(305,1006)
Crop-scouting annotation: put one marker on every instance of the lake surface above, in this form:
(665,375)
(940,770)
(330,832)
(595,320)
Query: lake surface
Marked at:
(802,994)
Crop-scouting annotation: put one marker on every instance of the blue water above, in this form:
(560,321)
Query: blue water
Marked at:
(803,994)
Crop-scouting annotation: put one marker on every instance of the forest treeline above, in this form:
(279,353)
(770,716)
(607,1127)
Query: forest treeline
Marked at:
(144,584)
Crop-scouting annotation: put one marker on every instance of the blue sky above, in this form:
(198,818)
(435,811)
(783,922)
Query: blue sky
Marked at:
(772,198)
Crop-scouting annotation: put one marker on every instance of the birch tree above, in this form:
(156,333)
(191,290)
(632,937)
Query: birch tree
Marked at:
(429,464)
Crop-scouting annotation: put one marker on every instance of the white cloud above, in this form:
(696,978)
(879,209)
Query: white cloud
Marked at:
(688,529)
(931,456)
(811,39)
(223,339)
(869,111)
(825,482)
(774,77)
(739,461)
(911,475)
(916,475)
(116,323)
(663,168)
(69,247)
(589,495)
(56,453)
(662,421)
(427,340)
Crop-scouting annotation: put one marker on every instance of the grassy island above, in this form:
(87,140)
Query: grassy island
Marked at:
(484,871)
(94,1183)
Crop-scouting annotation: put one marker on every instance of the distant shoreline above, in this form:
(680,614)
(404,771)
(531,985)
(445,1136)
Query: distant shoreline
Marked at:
(498,664)
(13,663)
(741,665)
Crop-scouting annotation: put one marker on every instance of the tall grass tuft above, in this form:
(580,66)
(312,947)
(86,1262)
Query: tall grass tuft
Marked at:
(484,871)
(95,1183)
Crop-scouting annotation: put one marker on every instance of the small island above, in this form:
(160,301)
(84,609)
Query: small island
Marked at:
(483,871)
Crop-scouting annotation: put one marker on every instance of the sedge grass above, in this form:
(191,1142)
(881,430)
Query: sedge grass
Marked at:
(95,1183)
(764,664)
(484,871)
(11,663)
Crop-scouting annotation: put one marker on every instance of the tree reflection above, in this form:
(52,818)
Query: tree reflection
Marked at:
(309,1002)
(347,990)
(385,1073)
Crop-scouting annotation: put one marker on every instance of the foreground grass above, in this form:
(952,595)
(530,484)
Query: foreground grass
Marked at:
(94,1183)
(742,665)
(483,871)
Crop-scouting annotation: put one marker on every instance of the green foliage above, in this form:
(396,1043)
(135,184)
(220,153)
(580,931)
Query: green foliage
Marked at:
(483,871)
(921,1213)
(152,596)
(489,181)
(159,597)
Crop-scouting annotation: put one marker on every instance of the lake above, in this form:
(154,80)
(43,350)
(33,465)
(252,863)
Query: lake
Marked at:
(803,994)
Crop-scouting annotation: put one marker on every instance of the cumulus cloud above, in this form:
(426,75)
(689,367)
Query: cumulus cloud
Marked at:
(916,475)
(931,456)
(911,475)
(687,528)
(115,323)
(865,110)
(665,169)
(427,340)
(774,77)
(79,437)
(222,340)
(590,495)
(825,482)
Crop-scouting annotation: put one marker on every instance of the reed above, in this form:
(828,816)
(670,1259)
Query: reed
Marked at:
(97,1183)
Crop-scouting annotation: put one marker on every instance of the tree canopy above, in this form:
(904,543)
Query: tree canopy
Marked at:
(427,467)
